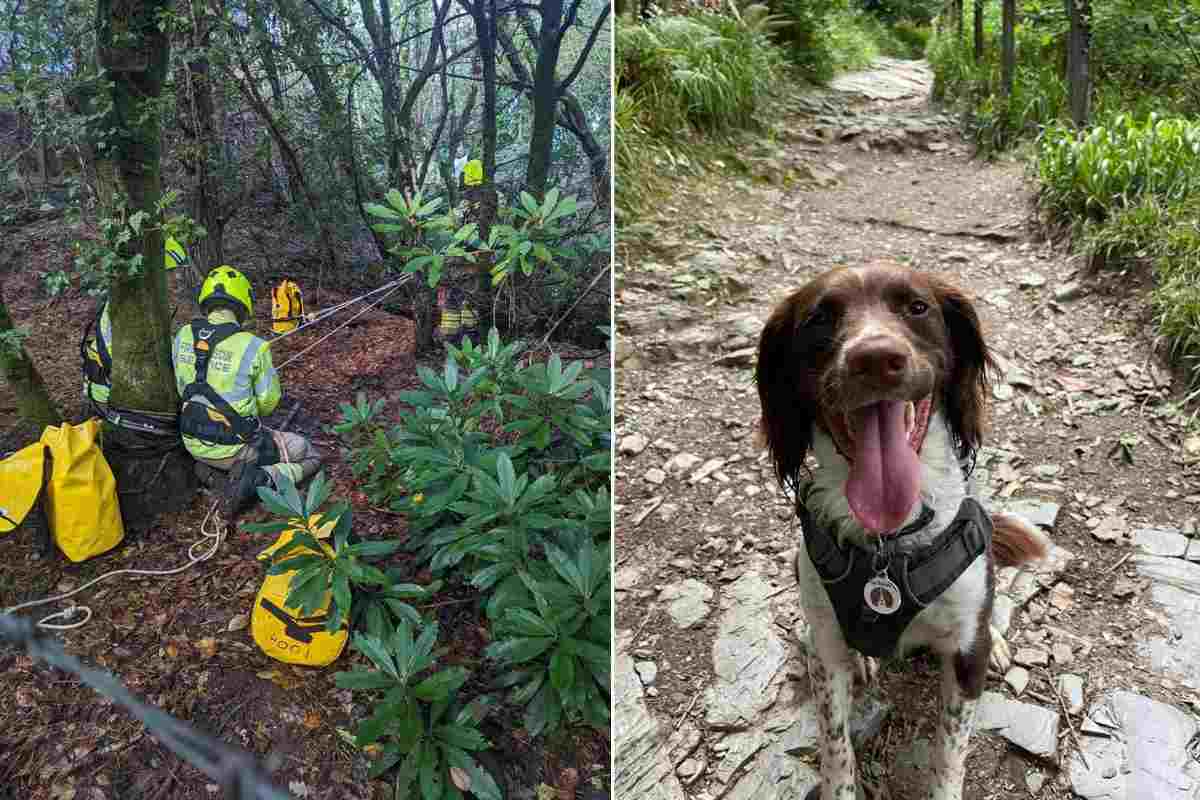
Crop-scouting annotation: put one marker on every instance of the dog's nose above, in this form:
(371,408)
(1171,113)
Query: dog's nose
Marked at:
(880,358)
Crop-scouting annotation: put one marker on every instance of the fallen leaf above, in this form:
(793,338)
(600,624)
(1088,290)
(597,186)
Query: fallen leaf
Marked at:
(239,622)
(460,778)
(171,650)
(373,751)
(312,720)
(207,646)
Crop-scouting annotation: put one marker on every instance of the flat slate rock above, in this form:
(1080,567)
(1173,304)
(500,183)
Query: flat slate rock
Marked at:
(888,79)
(687,602)
(1032,728)
(776,775)
(1138,748)
(643,765)
(747,655)
(1174,585)
(1160,542)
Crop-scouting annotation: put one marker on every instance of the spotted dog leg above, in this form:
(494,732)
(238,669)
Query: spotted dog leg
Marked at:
(962,683)
(832,673)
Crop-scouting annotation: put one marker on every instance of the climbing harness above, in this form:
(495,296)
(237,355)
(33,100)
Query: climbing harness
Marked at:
(212,538)
(97,360)
(218,422)
(877,592)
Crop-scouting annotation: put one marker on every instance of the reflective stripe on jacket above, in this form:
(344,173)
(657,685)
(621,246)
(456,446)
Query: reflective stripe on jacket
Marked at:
(99,391)
(239,369)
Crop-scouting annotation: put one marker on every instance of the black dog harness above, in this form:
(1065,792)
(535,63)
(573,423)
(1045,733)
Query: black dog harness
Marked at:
(864,584)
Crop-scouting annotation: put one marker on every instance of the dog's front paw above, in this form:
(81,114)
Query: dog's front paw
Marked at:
(1001,658)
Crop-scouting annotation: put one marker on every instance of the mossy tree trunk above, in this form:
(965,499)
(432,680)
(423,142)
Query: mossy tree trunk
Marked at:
(134,51)
(33,401)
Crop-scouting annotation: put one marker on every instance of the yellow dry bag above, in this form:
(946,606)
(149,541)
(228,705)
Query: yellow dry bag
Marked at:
(287,307)
(281,631)
(21,480)
(85,517)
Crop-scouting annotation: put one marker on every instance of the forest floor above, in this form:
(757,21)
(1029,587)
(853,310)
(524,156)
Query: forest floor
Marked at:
(1087,437)
(182,643)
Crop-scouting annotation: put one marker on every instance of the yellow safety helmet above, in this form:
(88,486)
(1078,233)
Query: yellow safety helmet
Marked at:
(175,254)
(227,284)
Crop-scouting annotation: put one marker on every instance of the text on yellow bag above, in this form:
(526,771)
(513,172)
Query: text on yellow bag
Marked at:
(85,517)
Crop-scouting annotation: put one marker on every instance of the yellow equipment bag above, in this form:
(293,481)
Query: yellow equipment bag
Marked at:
(279,630)
(21,482)
(85,517)
(287,307)
(473,172)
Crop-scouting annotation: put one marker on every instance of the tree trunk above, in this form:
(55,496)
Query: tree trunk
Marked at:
(483,12)
(134,51)
(958,18)
(1078,62)
(978,31)
(33,401)
(1008,57)
(545,99)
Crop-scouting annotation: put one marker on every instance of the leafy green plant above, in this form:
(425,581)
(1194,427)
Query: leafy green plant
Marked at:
(552,632)
(107,258)
(419,720)
(525,236)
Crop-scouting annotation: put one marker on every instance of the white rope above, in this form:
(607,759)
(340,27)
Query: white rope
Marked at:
(215,536)
(347,322)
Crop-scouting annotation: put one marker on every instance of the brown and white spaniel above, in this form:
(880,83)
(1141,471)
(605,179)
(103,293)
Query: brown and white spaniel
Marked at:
(881,373)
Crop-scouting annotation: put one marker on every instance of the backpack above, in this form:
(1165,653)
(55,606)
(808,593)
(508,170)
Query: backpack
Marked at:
(84,516)
(23,477)
(287,307)
(281,631)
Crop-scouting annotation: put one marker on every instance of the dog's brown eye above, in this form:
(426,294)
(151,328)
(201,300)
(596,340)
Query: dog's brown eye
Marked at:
(820,316)
(918,308)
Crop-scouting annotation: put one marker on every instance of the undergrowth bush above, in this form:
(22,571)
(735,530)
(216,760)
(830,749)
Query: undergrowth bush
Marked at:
(502,470)
(1129,189)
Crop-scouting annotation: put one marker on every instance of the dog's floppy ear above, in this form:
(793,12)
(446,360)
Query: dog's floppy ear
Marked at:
(784,390)
(965,392)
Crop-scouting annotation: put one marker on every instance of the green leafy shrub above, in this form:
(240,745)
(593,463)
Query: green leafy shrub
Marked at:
(552,635)
(1129,189)
(502,470)
(420,719)
(1118,164)
(805,36)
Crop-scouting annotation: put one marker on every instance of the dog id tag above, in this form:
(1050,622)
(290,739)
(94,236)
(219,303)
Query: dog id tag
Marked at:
(882,595)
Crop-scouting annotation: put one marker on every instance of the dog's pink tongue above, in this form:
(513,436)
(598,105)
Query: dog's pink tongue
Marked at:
(885,478)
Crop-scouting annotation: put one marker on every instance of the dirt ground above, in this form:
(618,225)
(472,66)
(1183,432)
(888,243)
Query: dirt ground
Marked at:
(1088,418)
(181,643)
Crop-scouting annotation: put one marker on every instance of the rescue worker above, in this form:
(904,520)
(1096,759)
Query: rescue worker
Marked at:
(95,349)
(226,383)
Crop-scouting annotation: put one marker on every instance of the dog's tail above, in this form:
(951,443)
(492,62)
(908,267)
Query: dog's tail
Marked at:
(1016,542)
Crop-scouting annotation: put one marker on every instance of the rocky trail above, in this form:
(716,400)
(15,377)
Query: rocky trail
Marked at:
(1088,439)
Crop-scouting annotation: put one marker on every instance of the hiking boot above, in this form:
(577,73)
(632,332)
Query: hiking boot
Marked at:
(242,489)
(209,477)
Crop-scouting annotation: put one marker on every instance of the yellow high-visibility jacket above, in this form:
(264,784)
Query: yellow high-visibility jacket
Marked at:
(240,370)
